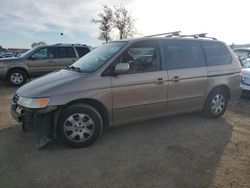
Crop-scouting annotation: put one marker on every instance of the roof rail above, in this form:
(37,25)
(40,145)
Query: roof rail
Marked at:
(174,33)
(58,44)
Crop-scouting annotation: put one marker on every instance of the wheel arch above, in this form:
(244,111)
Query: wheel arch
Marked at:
(17,68)
(99,106)
(223,87)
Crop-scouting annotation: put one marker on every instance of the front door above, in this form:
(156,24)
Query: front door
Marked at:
(187,73)
(42,61)
(142,92)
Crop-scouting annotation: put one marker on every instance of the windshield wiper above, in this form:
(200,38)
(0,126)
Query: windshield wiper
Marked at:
(73,68)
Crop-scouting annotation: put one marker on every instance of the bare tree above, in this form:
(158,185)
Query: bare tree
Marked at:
(35,44)
(124,22)
(106,23)
(2,49)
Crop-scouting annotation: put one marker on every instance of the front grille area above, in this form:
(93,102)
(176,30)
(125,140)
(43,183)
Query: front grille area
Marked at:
(245,81)
(15,98)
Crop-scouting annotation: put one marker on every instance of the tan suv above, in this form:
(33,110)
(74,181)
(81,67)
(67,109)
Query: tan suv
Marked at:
(39,61)
(127,81)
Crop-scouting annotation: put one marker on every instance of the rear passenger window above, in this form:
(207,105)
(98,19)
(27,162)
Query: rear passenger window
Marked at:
(216,53)
(82,51)
(65,52)
(183,54)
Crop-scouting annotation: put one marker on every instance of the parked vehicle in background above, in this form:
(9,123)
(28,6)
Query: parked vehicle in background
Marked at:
(130,80)
(39,61)
(6,55)
(244,57)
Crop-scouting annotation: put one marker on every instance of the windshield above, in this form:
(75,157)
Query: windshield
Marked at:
(27,52)
(98,57)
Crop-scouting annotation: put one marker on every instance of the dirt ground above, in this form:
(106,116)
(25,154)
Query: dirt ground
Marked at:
(181,151)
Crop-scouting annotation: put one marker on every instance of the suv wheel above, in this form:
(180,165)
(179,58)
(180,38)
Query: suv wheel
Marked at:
(79,125)
(216,103)
(17,77)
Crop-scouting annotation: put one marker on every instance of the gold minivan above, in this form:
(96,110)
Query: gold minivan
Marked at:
(126,81)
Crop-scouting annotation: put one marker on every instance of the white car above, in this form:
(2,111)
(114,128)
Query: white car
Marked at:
(244,57)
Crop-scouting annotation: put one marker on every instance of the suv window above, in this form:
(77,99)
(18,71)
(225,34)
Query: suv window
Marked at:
(216,53)
(82,51)
(142,57)
(44,53)
(182,54)
(65,52)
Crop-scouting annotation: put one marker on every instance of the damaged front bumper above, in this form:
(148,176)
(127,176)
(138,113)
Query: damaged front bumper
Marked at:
(33,120)
(38,121)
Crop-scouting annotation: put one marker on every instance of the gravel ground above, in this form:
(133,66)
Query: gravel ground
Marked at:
(181,151)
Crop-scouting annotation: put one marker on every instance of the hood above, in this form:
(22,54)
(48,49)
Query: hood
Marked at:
(9,59)
(50,84)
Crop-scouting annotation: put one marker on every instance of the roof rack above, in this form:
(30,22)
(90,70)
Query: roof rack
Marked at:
(174,33)
(58,44)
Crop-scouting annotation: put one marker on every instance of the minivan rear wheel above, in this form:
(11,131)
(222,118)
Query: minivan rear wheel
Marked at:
(80,125)
(216,103)
(17,77)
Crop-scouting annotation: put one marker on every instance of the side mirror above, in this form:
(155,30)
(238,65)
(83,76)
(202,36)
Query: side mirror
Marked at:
(121,68)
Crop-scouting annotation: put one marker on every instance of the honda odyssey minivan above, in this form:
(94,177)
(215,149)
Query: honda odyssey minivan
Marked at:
(126,81)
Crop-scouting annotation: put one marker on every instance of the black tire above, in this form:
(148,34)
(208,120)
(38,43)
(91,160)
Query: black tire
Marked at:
(65,122)
(22,75)
(211,108)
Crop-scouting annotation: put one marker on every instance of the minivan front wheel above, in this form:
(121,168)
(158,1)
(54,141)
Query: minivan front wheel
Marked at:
(216,103)
(17,77)
(80,125)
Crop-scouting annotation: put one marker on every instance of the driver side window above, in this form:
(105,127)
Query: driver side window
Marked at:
(41,54)
(141,57)
(45,53)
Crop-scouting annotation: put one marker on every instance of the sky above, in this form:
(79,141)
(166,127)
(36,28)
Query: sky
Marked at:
(23,22)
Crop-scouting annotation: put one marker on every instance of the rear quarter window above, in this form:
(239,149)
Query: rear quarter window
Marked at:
(216,53)
(65,52)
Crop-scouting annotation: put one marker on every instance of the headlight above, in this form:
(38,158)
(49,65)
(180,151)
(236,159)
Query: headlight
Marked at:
(33,103)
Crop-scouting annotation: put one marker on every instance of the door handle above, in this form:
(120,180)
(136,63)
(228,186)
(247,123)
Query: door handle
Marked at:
(176,78)
(159,81)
